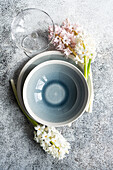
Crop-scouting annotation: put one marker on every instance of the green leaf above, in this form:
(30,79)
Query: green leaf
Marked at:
(85,67)
(88,67)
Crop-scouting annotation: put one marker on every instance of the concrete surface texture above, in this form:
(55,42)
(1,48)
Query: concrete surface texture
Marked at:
(91,136)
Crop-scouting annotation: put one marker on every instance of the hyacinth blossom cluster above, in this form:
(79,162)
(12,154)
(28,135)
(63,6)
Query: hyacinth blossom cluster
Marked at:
(51,141)
(49,138)
(71,39)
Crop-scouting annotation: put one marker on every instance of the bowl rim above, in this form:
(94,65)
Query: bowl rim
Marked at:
(38,119)
(12,25)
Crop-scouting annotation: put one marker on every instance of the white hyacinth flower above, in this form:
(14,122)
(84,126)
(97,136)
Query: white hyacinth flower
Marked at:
(51,141)
(85,46)
(39,129)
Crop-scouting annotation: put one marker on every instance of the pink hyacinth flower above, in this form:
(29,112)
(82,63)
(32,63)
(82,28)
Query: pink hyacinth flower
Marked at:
(67,51)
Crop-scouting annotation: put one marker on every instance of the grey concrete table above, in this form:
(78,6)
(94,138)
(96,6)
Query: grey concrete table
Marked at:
(91,136)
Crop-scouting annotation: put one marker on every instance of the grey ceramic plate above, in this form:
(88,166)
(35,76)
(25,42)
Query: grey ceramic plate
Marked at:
(55,93)
(32,63)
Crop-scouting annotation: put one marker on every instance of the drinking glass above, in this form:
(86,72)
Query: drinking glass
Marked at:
(29,30)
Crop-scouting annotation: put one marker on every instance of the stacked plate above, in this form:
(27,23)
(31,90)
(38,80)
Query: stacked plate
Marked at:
(52,90)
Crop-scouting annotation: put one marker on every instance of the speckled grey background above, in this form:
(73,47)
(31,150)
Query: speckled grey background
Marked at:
(91,136)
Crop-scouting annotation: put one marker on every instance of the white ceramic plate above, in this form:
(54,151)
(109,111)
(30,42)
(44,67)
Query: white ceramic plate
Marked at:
(32,63)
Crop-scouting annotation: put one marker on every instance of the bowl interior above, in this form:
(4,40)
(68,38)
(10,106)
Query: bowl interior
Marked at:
(55,93)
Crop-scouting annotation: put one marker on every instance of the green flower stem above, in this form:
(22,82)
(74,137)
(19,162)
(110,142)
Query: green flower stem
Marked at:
(85,67)
(54,145)
(16,96)
(88,67)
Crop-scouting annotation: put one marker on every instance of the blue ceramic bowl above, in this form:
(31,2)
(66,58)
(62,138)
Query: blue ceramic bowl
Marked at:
(55,93)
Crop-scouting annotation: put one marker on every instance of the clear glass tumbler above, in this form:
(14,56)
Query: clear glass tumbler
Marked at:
(29,30)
